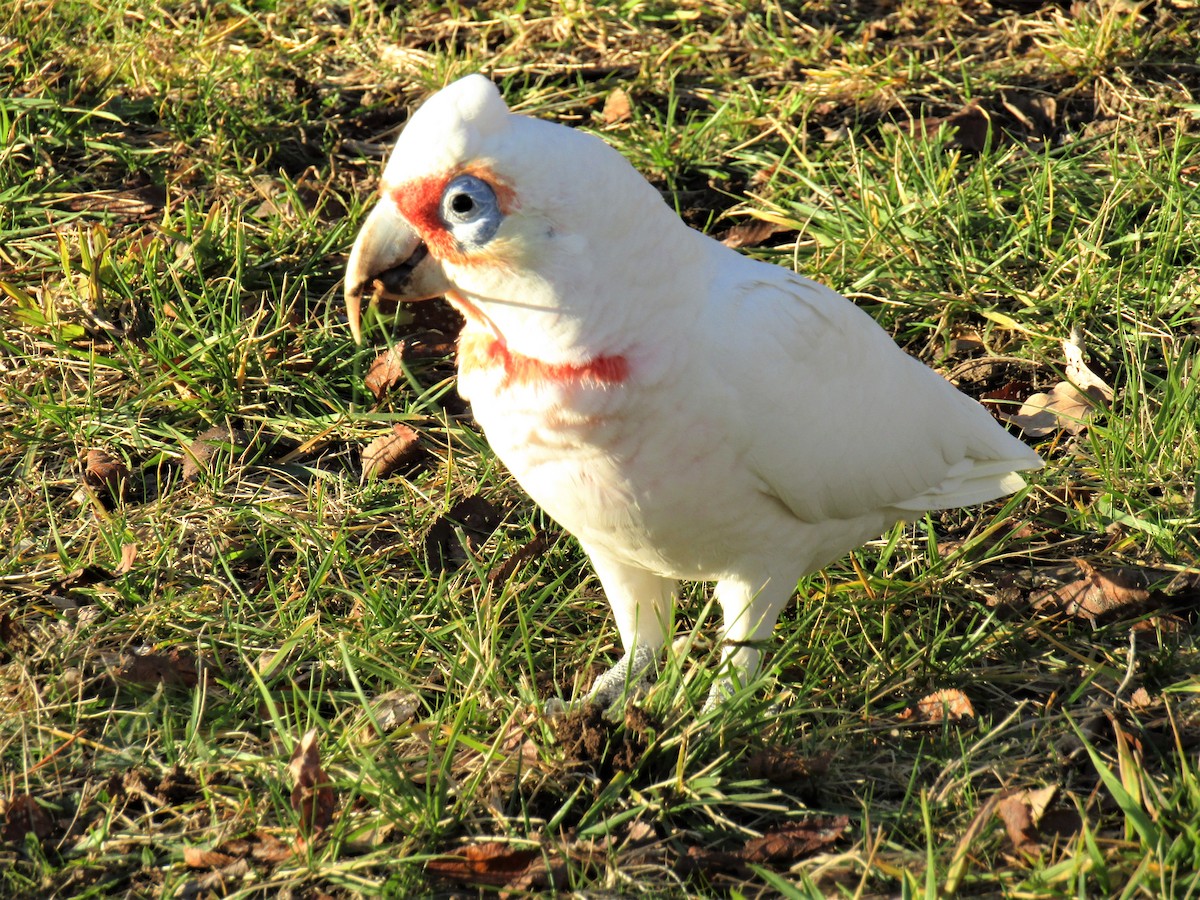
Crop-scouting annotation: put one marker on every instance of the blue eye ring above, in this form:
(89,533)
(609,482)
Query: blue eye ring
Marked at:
(469,210)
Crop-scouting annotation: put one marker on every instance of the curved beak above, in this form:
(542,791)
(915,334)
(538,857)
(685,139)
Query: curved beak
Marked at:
(391,261)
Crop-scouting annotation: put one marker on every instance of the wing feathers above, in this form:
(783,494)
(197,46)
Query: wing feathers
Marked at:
(838,422)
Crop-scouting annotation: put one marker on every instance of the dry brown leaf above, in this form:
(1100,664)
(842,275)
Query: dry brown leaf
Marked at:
(265,847)
(199,858)
(782,766)
(539,876)
(639,832)
(531,550)
(201,451)
(400,450)
(947,705)
(216,882)
(752,233)
(794,842)
(390,711)
(616,108)
(106,475)
(176,668)
(1140,699)
(1005,397)
(1069,404)
(780,847)
(475,516)
(13,636)
(128,555)
(1096,594)
(312,794)
(24,816)
(971,127)
(493,863)
(1021,812)
(1018,822)
(386,371)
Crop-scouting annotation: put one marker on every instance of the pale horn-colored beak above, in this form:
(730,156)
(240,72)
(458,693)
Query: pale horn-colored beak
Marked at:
(390,260)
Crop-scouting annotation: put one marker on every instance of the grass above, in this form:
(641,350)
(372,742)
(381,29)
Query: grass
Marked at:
(178,188)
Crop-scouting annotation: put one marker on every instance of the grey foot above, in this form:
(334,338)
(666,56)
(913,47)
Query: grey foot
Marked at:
(725,687)
(722,689)
(628,675)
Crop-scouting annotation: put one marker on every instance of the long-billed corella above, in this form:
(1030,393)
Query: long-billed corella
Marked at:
(684,411)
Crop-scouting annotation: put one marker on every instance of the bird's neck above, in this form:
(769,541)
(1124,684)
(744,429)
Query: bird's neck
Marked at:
(482,349)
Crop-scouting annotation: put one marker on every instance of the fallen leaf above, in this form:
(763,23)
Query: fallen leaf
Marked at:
(312,794)
(794,842)
(782,766)
(24,816)
(616,107)
(970,127)
(475,516)
(966,344)
(13,636)
(752,233)
(216,882)
(947,705)
(176,668)
(198,454)
(781,847)
(1034,112)
(199,858)
(539,876)
(261,846)
(1069,404)
(1140,699)
(640,831)
(1006,396)
(398,451)
(1096,594)
(493,863)
(1018,822)
(536,547)
(128,555)
(388,712)
(106,475)
(269,849)
(1022,811)
(386,371)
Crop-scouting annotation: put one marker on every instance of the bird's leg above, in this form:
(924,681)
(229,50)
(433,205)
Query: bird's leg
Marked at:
(642,603)
(750,613)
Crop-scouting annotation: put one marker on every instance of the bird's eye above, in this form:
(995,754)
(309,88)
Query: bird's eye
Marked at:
(469,210)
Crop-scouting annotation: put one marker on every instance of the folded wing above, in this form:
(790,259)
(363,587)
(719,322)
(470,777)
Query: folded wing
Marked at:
(837,422)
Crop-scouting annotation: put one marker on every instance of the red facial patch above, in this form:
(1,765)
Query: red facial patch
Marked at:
(419,201)
(480,351)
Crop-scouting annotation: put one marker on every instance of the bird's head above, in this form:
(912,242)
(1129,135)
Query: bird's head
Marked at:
(529,227)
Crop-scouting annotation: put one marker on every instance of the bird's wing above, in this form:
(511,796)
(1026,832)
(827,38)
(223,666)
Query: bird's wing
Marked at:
(836,421)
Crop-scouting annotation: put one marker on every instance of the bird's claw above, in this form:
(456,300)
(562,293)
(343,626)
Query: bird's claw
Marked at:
(624,680)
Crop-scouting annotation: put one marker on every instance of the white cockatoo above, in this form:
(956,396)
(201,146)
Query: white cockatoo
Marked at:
(684,411)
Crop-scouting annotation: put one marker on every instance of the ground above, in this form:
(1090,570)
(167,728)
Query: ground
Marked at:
(275,622)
